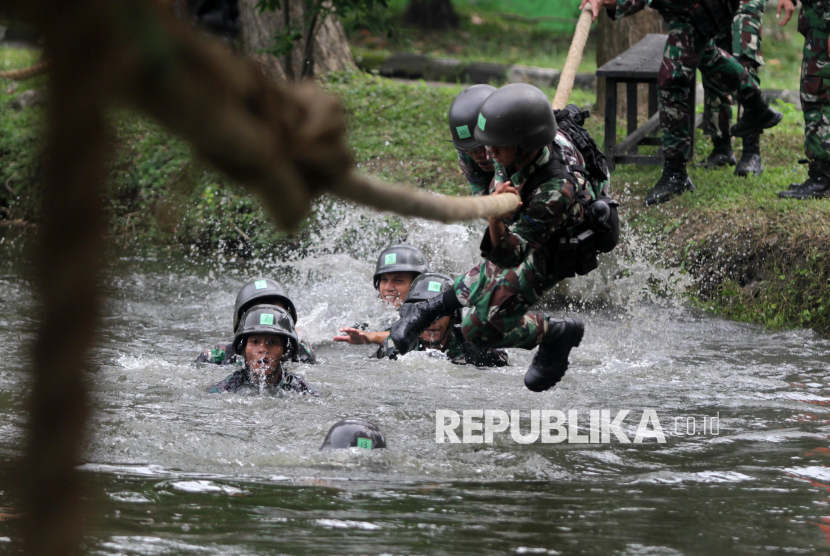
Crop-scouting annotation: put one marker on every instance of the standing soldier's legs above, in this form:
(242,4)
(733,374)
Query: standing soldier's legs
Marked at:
(673,86)
(717,117)
(747,31)
(815,101)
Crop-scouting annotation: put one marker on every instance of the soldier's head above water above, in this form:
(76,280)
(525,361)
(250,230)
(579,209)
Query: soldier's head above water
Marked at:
(516,122)
(427,286)
(265,334)
(396,268)
(260,291)
(463,117)
(354,433)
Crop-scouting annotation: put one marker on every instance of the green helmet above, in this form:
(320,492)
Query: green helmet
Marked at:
(257,292)
(516,114)
(429,285)
(463,116)
(266,319)
(350,433)
(400,258)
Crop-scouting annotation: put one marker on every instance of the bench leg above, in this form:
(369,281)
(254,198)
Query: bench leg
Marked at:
(631,109)
(610,121)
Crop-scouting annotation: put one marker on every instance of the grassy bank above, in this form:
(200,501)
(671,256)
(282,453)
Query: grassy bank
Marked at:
(754,257)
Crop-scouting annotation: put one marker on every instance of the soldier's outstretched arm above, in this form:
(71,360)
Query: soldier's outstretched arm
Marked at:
(788,7)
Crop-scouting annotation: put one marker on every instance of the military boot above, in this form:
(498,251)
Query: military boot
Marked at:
(751,157)
(757,117)
(722,154)
(551,361)
(672,183)
(816,186)
(415,318)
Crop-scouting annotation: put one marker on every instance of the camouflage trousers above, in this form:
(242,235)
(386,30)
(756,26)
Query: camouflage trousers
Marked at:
(500,299)
(744,42)
(686,50)
(815,83)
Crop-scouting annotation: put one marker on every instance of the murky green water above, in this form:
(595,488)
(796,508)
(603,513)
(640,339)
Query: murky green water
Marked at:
(183,472)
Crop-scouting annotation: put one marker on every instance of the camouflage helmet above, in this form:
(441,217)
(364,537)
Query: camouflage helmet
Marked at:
(265,319)
(350,433)
(463,116)
(429,285)
(257,292)
(400,258)
(516,114)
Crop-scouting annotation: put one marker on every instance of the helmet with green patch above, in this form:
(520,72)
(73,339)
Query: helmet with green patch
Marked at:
(400,258)
(266,319)
(429,285)
(354,433)
(517,114)
(463,116)
(261,291)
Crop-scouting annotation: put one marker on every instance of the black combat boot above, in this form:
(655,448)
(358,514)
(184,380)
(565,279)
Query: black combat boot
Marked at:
(751,157)
(672,183)
(757,117)
(817,185)
(551,361)
(416,317)
(722,154)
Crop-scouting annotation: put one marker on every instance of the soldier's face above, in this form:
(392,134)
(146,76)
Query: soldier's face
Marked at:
(394,286)
(432,336)
(263,353)
(483,158)
(503,155)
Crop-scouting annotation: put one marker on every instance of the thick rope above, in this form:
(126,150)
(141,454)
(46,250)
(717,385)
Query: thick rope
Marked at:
(566,79)
(26,73)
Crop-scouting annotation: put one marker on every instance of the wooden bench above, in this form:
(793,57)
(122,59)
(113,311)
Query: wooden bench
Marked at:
(639,64)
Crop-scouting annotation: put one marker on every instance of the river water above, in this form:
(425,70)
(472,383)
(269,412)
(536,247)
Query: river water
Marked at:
(179,471)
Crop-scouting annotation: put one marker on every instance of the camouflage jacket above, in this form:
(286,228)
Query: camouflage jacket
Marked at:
(815,14)
(222,354)
(457,351)
(241,380)
(479,179)
(669,9)
(551,207)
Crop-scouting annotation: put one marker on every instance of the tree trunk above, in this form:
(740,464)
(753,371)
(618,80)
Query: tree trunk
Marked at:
(614,38)
(430,14)
(330,51)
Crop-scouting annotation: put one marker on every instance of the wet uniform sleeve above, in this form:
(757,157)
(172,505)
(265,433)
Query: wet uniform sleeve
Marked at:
(387,349)
(625,8)
(220,354)
(546,211)
(221,386)
(306,354)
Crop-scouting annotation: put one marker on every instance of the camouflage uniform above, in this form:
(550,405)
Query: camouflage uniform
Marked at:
(744,42)
(478,178)
(241,380)
(457,351)
(521,267)
(687,50)
(814,24)
(222,354)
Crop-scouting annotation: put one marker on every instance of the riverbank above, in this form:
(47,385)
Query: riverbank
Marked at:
(751,256)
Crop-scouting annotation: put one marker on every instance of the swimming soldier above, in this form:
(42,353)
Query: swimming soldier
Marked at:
(444,335)
(555,233)
(395,270)
(264,337)
(256,292)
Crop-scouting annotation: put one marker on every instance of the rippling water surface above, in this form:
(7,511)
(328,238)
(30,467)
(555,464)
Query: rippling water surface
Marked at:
(185,472)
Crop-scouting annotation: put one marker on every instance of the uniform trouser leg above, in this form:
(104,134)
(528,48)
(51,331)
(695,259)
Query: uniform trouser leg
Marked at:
(685,51)
(500,300)
(744,42)
(815,92)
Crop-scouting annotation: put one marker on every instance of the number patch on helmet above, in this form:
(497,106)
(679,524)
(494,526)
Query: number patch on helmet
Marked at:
(463,132)
(260,284)
(390,259)
(365,443)
(266,318)
(434,286)
(481,121)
